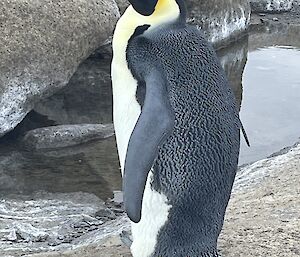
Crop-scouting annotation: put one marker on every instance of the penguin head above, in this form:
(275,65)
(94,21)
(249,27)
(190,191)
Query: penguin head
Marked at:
(150,13)
(152,7)
(144,7)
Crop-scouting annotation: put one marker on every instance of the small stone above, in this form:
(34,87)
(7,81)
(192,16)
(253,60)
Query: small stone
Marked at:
(12,236)
(53,242)
(275,19)
(105,213)
(118,197)
(81,224)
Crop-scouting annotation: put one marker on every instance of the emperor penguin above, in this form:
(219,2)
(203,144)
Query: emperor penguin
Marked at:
(177,131)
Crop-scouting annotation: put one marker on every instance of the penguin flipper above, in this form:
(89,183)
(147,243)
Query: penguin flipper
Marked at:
(154,124)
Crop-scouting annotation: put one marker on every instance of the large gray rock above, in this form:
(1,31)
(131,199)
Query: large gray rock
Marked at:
(263,213)
(221,20)
(42,42)
(271,6)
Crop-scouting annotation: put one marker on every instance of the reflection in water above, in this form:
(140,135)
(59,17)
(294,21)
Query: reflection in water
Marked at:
(233,59)
(279,35)
(269,111)
(88,168)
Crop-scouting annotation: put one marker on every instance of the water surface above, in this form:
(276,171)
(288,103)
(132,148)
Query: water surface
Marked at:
(270,108)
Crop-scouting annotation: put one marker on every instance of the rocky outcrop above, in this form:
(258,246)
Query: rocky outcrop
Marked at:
(221,20)
(65,135)
(42,42)
(271,35)
(271,6)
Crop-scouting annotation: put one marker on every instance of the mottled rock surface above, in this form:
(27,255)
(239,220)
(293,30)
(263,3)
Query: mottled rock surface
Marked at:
(263,217)
(41,45)
(221,20)
(122,4)
(65,135)
(46,222)
(271,6)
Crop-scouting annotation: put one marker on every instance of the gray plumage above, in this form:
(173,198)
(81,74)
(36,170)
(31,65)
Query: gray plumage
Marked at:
(195,164)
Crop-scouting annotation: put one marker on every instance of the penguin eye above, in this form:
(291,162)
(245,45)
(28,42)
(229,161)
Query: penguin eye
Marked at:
(144,7)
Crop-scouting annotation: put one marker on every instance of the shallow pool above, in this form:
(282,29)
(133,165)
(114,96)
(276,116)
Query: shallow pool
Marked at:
(270,107)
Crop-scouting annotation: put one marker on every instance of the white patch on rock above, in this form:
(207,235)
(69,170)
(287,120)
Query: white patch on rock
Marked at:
(12,102)
(271,5)
(233,23)
(155,211)
(279,5)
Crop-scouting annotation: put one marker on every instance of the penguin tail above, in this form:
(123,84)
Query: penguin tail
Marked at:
(245,134)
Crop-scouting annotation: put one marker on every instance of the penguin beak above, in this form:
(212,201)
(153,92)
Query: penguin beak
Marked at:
(154,125)
(144,7)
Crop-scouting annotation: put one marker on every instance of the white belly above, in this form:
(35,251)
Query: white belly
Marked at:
(155,212)
(155,209)
(126,109)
